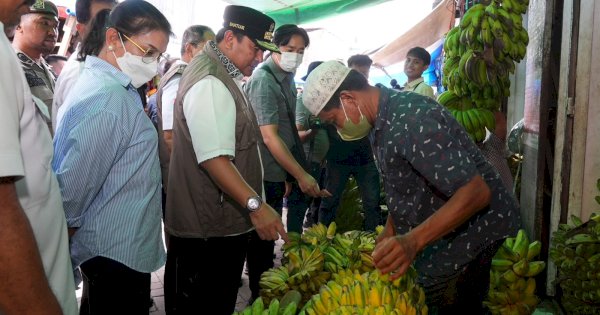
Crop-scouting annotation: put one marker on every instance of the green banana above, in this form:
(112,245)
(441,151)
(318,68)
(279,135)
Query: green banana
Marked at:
(534,250)
(521,244)
(501,264)
(535,267)
(258,306)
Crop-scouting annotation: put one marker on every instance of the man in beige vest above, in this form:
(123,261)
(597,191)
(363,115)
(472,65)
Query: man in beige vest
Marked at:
(215,192)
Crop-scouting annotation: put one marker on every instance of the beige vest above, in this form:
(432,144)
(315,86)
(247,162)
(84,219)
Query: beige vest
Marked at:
(163,151)
(196,207)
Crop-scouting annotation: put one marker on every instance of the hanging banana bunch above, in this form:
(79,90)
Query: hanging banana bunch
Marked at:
(480,53)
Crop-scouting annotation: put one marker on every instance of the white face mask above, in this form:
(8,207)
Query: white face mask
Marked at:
(290,61)
(133,66)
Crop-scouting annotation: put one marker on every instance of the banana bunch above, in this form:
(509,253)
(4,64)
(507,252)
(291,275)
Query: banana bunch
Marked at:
(312,257)
(287,306)
(368,293)
(474,119)
(512,276)
(482,50)
(575,249)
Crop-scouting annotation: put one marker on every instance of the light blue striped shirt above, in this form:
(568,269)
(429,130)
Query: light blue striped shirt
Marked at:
(106,161)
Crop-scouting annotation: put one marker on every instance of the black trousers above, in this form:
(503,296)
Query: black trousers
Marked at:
(260,253)
(202,276)
(465,294)
(110,287)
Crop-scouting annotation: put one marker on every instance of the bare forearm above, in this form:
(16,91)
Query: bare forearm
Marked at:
(465,203)
(168,136)
(24,288)
(229,180)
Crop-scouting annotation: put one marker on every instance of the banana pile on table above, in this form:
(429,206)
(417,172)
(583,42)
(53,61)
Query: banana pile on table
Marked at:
(512,276)
(480,53)
(311,258)
(575,249)
(368,293)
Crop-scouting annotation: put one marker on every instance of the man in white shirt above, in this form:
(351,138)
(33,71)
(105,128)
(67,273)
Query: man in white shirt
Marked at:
(192,43)
(85,10)
(36,272)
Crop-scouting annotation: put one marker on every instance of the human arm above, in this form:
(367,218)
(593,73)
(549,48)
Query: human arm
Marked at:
(395,254)
(210,114)
(284,157)
(169,94)
(440,153)
(24,288)
(266,220)
(84,154)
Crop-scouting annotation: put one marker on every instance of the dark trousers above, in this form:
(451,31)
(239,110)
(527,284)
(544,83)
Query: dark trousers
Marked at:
(465,294)
(367,178)
(298,202)
(312,214)
(260,253)
(204,274)
(110,287)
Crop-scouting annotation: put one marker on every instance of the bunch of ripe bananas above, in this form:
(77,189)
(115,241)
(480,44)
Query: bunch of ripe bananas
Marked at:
(575,249)
(512,277)
(310,259)
(368,293)
(287,306)
(479,55)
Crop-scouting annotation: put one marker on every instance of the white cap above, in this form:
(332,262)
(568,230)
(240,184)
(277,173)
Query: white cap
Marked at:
(322,83)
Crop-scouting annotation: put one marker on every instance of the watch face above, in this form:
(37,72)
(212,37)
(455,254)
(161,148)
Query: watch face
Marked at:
(253,204)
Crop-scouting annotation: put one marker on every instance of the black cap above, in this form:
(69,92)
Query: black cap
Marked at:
(254,24)
(44,7)
(311,67)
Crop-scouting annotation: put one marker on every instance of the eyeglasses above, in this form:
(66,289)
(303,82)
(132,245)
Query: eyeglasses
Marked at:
(149,55)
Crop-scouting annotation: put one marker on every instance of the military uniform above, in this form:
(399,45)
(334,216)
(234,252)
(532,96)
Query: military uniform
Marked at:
(40,78)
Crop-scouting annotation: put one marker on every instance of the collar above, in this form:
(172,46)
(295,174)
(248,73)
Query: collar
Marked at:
(97,64)
(413,84)
(28,61)
(232,70)
(384,99)
(279,74)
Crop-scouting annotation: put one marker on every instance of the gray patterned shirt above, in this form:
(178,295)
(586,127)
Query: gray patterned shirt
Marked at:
(425,156)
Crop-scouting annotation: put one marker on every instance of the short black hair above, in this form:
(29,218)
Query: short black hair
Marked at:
(194,35)
(421,53)
(83,9)
(359,60)
(53,58)
(284,33)
(354,81)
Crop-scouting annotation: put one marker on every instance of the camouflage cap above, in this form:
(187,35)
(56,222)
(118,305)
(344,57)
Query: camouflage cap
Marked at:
(44,7)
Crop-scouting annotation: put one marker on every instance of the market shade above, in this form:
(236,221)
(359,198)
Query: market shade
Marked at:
(424,34)
(304,11)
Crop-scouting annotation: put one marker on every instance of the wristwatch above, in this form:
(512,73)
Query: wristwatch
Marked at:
(253,203)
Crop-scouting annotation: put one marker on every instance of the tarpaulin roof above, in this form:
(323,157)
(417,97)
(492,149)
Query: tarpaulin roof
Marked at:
(424,34)
(304,11)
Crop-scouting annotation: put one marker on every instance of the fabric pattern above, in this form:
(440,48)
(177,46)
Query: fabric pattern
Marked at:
(106,161)
(425,156)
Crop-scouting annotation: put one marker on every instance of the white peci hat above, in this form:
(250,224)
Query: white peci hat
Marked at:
(322,83)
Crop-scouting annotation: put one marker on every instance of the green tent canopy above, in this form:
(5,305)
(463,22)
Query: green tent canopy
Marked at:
(304,11)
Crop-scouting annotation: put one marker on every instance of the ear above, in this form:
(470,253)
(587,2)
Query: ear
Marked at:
(80,27)
(111,38)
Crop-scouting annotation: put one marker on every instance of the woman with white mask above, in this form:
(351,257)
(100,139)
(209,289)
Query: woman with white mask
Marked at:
(272,92)
(106,161)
